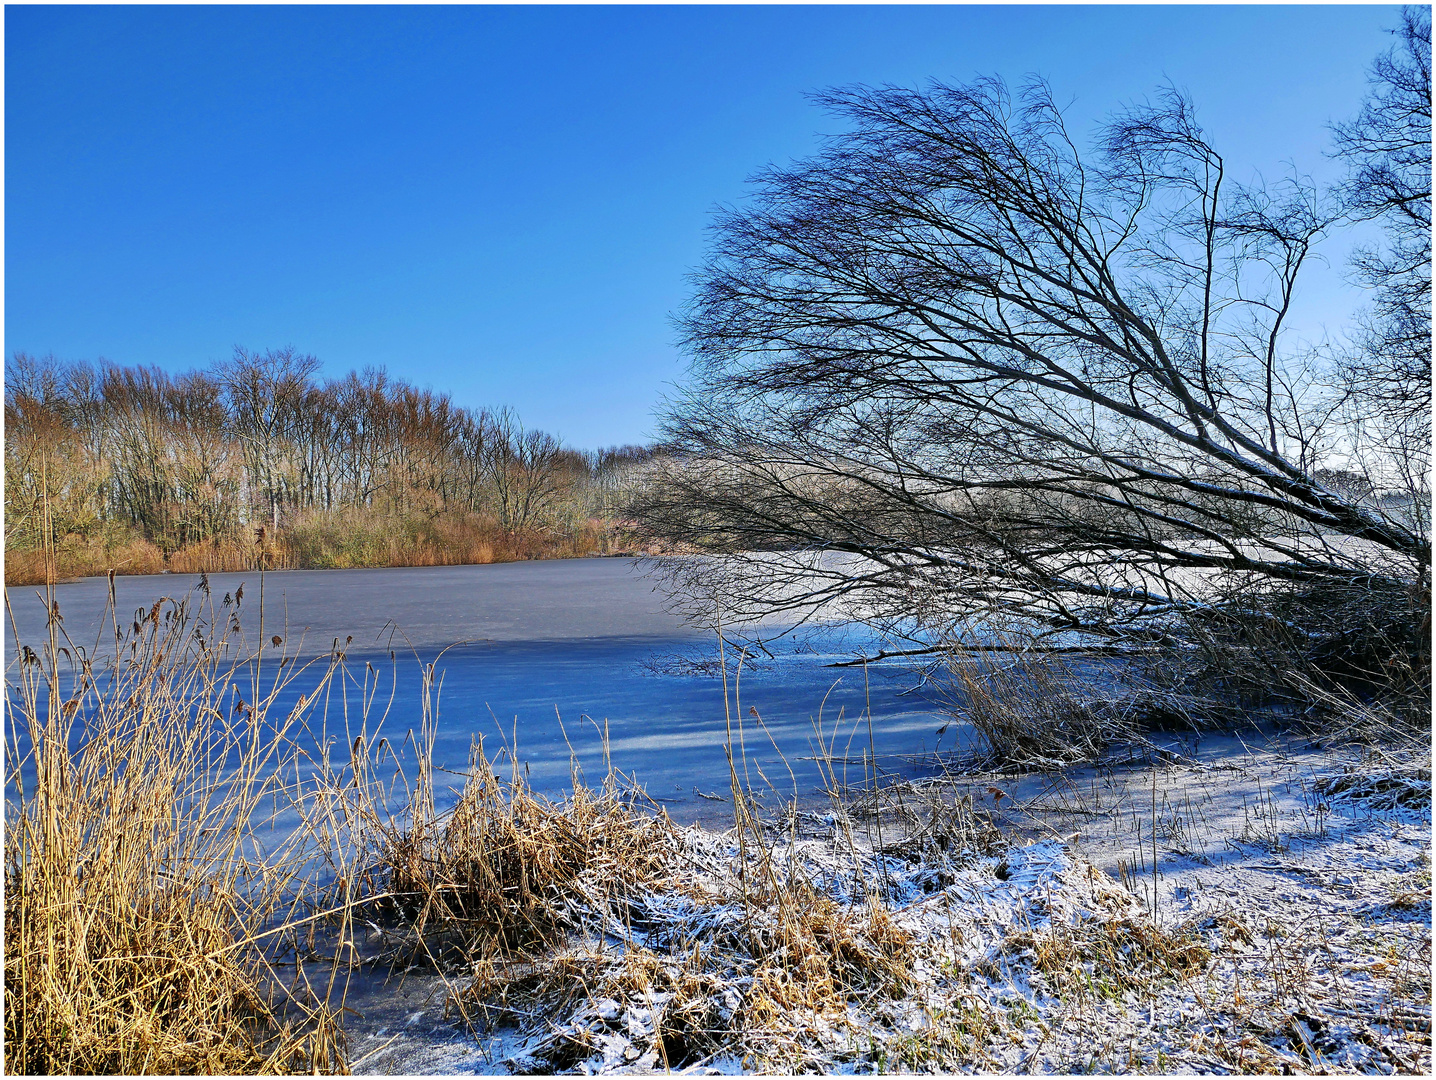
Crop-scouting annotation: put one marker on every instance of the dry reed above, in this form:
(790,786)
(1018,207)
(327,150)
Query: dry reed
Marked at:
(141,903)
(1024,708)
(504,872)
(315,540)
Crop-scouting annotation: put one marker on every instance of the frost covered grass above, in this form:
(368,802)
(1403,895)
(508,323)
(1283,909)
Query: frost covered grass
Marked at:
(801,944)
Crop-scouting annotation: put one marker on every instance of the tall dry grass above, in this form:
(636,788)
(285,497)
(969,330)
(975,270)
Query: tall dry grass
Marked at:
(147,899)
(504,873)
(1024,706)
(126,551)
(317,540)
(1036,706)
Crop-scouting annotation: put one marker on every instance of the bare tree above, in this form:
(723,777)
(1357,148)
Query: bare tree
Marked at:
(1388,145)
(170,460)
(53,482)
(470,457)
(526,469)
(319,449)
(264,393)
(427,436)
(614,467)
(951,364)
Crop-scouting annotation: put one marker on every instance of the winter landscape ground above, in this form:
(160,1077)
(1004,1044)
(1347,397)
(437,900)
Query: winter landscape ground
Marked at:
(1286,928)
(1192,900)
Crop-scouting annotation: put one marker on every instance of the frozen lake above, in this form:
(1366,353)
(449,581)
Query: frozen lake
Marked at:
(587,640)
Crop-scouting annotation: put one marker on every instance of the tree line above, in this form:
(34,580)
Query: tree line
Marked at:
(243,450)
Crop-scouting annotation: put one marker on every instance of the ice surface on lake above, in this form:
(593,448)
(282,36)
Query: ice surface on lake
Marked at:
(589,641)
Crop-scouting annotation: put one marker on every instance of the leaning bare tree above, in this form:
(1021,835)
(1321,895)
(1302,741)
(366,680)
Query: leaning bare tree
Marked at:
(952,365)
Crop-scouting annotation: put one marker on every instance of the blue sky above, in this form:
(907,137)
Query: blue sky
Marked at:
(504,202)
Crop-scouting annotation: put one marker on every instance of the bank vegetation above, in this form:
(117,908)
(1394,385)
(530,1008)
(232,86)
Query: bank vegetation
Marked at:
(259,462)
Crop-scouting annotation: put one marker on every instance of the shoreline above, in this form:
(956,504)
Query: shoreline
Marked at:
(1227,899)
(1277,937)
(71,578)
(81,578)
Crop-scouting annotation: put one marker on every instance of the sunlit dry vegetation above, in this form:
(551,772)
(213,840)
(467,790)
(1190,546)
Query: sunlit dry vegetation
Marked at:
(259,462)
(140,906)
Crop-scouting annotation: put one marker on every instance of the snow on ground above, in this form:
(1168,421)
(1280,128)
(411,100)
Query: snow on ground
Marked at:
(1287,928)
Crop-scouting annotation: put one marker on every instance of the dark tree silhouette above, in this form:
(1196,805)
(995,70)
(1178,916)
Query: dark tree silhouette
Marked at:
(952,365)
(1388,145)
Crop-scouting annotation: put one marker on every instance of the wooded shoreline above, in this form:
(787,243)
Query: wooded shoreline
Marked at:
(258,463)
(318,541)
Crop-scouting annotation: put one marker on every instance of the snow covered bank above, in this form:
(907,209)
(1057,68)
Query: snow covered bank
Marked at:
(1289,930)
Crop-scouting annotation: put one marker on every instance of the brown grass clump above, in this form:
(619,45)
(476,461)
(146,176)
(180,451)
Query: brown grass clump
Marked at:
(813,953)
(102,987)
(502,871)
(768,993)
(674,1010)
(813,957)
(1036,707)
(137,902)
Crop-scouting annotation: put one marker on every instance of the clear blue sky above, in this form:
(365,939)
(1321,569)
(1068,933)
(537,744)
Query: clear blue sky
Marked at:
(503,202)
